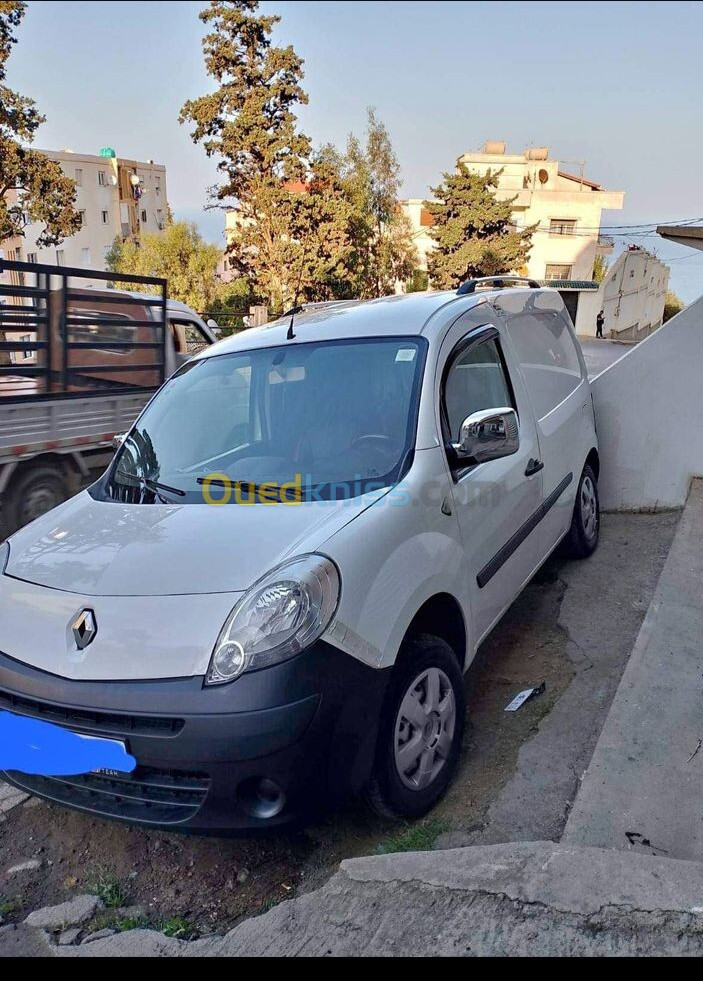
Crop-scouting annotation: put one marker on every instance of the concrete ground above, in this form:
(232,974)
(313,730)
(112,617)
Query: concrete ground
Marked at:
(600,355)
(653,737)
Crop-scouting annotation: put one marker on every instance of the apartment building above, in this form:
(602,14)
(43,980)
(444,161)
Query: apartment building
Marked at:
(566,208)
(115,198)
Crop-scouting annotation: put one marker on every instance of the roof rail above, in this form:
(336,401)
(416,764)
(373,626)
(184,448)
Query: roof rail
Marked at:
(471,285)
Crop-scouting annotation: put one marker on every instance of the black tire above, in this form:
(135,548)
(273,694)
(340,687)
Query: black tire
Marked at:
(584,537)
(34,492)
(388,793)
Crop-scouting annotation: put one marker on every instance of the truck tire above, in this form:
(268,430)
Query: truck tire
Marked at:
(33,493)
(584,534)
(421,731)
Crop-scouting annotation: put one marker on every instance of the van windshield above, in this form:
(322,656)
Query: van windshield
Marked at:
(329,421)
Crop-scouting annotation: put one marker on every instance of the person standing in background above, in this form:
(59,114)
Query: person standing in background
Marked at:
(600,324)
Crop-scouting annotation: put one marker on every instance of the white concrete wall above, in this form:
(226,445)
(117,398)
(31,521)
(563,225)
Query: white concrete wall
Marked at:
(649,408)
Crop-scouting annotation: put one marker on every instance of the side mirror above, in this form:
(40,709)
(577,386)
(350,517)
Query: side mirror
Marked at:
(490,435)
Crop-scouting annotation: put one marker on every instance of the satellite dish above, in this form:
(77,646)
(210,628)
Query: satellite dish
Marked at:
(544,177)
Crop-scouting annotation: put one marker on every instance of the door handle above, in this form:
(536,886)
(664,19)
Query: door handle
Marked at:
(534,467)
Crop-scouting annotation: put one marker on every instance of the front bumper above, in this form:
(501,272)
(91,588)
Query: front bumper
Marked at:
(308,727)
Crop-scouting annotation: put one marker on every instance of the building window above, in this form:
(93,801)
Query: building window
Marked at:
(157,188)
(32,257)
(60,257)
(85,258)
(102,178)
(558,273)
(561,226)
(144,217)
(160,219)
(79,178)
(84,218)
(105,217)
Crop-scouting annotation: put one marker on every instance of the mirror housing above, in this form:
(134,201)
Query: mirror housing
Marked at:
(490,435)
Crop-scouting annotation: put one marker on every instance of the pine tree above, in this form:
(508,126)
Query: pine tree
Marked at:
(473,230)
(33,188)
(290,234)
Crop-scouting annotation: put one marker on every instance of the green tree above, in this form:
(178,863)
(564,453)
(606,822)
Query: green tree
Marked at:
(382,252)
(473,230)
(287,230)
(600,269)
(179,255)
(33,188)
(674,306)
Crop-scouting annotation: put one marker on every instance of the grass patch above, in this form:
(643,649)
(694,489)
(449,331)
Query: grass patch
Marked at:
(413,838)
(8,907)
(178,929)
(107,885)
(110,921)
(129,923)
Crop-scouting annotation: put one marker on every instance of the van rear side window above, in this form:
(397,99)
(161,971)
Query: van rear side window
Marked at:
(548,356)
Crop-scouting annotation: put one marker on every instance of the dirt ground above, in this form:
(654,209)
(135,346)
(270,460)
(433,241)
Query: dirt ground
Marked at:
(211,884)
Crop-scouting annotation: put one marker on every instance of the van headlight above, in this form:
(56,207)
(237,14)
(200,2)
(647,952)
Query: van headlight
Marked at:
(277,619)
(4,557)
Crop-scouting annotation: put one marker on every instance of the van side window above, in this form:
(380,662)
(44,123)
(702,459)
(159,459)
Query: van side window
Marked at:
(547,353)
(476,381)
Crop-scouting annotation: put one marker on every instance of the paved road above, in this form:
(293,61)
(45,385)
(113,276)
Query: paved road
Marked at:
(601,354)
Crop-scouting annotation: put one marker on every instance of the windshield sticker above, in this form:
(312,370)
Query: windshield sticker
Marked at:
(406,355)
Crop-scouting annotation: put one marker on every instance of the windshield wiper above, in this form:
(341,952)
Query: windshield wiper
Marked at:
(152,485)
(254,490)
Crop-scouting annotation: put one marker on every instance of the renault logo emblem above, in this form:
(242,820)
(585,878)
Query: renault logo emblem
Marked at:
(85,629)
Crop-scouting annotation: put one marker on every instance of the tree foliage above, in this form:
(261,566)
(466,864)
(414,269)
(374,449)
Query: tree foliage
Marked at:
(382,250)
(601,268)
(249,125)
(179,255)
(674,306)
(33,188)
(309,226)
(473,230)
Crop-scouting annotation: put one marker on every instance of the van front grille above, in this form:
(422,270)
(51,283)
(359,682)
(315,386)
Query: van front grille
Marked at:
(89,721)
(157,797)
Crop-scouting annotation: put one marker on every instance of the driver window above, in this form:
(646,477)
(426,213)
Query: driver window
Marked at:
(188,337)
(476,381)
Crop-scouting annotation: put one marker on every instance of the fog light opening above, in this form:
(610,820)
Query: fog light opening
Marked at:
(261,798)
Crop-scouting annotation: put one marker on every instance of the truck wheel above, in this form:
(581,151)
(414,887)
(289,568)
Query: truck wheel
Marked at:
(421,731)
(35,492)
(584,535)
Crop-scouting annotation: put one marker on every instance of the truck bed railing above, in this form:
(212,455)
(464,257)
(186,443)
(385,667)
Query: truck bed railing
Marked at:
(59,337)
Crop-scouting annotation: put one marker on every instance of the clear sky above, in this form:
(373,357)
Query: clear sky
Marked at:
(617,85)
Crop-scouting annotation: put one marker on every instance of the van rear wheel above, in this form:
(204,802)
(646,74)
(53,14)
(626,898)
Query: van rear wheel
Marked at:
(421,731)
(584,534)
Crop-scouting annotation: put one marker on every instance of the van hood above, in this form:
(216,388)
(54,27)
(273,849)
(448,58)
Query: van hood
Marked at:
(93,548)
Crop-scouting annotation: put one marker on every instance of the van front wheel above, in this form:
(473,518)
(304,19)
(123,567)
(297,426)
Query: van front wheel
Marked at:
(421,731)
(584,534)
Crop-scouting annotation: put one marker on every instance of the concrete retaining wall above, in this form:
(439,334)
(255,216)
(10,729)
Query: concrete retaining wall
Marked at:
(649,407)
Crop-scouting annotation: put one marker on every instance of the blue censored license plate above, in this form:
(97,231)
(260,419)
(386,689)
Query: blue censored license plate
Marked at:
(41,749)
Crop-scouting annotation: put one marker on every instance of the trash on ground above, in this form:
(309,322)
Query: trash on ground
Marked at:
(526,696)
